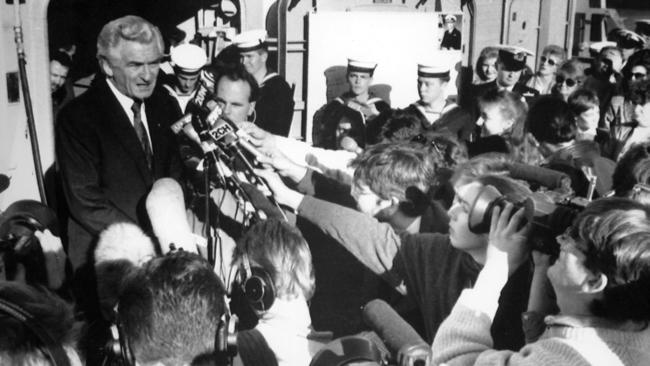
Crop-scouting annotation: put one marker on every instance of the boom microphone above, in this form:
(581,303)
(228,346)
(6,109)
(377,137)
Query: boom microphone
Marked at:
(166,208)
(121,247)
(399,336)
(545,177)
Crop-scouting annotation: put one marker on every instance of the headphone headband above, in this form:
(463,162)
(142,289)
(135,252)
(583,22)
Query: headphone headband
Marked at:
(54,352)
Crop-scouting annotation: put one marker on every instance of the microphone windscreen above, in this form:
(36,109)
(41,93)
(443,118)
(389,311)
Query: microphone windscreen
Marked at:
(390,327)
(166,209)
(545,177)
(120,248)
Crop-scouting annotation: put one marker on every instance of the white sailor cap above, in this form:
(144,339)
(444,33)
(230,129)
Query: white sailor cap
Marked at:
(597,46)
(513,57)
(433,70)
(188,58)
(250,40)
(450,18)
(361,66)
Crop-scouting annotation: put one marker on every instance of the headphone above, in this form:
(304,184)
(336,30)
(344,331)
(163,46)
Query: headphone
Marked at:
(50,348)
(257,286)
(119,349)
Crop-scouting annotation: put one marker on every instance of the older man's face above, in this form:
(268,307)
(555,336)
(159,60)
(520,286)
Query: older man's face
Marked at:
(133,67)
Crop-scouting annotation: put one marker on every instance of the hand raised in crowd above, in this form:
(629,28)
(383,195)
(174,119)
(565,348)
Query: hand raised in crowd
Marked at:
(507,237)
(264,141)
(283,194)
(283,165)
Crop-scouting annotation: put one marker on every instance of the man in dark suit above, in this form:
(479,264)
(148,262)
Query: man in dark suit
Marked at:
(510,63)
(114,141)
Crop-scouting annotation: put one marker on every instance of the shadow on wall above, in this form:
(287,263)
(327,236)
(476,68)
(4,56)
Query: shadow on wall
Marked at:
(337,84)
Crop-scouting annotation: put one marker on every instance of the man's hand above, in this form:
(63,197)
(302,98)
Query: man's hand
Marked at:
(285,167)
(283,194)
(264,141)
(55,258)
(507,238)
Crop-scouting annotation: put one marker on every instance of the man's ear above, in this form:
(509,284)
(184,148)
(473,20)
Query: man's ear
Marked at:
(264,56)
(595,284)
(105,66)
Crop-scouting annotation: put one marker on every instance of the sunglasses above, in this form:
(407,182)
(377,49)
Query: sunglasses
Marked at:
(550,61)
(638,75)
(569,82)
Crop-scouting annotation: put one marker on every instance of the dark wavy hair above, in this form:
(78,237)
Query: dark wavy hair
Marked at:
(550,120)
(632,168)
(614,235)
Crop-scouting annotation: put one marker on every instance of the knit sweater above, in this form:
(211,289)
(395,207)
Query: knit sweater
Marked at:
(464,339)
(434,271)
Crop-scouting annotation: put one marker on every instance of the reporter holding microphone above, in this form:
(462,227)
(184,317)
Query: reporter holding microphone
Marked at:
(602,283)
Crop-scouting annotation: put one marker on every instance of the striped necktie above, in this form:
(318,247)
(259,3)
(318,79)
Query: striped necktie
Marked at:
(141,131)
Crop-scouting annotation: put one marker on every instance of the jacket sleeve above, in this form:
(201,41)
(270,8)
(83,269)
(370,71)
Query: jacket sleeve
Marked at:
(374,244)
(326,188)
(79,159)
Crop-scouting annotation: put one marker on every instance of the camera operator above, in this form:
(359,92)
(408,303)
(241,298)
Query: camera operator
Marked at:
(29,251)
(601,280)
(46,336)
(273,257)
(169,310)
(434,267)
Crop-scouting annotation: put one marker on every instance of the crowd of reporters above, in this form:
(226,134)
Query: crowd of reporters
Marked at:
(508,226)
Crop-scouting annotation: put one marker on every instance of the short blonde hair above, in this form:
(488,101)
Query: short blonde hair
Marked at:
(283,253)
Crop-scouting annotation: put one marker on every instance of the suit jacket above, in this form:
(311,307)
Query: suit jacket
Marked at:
(103,167)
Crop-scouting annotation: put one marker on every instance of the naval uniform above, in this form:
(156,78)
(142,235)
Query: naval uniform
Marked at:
(274,107)
(328,117)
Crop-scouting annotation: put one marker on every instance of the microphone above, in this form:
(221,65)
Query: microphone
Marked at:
(166,209)
(225,132)
(545,177)
(399,336)
(120,248)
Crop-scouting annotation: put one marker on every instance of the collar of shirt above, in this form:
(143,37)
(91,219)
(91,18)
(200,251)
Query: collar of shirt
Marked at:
(126,103)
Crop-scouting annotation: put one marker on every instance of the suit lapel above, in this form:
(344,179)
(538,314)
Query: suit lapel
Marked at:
(120,124)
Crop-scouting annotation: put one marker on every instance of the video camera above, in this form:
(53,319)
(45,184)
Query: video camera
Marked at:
(19,245)
(550,215)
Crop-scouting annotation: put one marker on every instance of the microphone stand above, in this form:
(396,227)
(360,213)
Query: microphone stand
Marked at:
(22,70)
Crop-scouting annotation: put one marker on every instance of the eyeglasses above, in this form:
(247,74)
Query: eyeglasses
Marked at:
(638,76)
(550,61)
(569,82)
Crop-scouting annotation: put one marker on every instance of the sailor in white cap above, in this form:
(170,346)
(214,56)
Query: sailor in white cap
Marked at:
(274,107)
(435,111)
(451,39)
(187,60)
(359,98)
